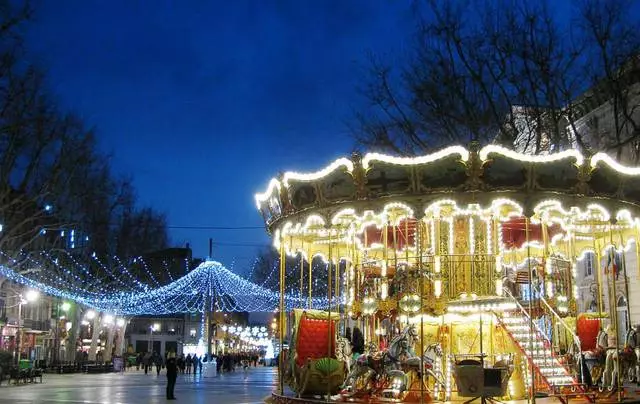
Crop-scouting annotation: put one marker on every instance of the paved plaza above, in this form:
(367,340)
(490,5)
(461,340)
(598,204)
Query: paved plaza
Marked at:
(136,387)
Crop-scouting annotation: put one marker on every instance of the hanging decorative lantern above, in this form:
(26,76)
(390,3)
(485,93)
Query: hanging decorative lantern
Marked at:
(410,303)
(369,306)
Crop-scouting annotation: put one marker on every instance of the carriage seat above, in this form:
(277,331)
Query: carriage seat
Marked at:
(313,341)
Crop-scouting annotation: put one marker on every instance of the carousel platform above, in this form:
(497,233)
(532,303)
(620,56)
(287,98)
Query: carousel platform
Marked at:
(631,395)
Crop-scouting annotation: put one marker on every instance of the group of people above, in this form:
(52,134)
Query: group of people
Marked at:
(229,362)
(188,364)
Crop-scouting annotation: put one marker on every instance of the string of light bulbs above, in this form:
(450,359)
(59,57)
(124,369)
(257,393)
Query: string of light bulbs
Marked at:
(208,284)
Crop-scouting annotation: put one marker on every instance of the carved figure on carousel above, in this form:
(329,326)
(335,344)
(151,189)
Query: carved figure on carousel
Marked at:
(372,369)
(629,355)
(610,375)
(596,357)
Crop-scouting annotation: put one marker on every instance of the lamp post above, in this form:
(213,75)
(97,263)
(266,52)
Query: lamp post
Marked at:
(30,296)
(152,328)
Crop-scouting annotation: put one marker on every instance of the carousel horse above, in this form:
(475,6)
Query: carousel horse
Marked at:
(595,358)
(628,357)
(373,366)
(344,352)
(432,354)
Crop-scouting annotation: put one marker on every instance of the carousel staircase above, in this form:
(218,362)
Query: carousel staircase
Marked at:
(537,347)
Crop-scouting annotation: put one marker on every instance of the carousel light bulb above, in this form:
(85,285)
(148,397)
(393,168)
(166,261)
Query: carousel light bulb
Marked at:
(384,290)
(437,288)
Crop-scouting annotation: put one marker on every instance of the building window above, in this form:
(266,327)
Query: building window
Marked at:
(589,264)
(192,332)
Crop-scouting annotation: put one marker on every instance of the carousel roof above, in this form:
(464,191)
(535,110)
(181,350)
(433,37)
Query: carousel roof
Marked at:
(474,175)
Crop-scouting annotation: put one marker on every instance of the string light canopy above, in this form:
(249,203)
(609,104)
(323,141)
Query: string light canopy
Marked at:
(208,284)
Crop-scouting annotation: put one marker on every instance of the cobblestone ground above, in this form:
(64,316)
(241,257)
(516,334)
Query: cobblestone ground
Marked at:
(136,387)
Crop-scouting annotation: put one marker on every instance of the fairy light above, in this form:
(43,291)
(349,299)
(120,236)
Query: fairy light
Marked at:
(341,162)
(449,151)
(437,288)
(185,295)
(530,158)
(606,159)
(449,377)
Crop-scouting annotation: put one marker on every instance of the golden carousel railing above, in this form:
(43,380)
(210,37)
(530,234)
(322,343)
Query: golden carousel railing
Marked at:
(468,273)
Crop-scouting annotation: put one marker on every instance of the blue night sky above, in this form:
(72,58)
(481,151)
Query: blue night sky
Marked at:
(203,102)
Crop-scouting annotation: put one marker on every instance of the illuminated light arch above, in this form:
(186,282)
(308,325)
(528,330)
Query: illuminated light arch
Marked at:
(188,294)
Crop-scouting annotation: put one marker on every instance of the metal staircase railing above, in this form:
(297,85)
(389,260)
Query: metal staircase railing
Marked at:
(536,346)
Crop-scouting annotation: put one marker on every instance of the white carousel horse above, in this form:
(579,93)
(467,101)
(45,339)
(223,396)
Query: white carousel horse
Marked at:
(629,356)
(388,362)
(432,354)
(595,357)
(627,359)
(344,352)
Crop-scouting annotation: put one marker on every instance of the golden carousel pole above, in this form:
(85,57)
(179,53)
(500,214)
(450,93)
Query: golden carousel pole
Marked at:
(637,228)
(599,280)
(310,299)
(419,252)
(329,292)
(613,307)
(531,328)
(626,281)
(281,363)
(302,273)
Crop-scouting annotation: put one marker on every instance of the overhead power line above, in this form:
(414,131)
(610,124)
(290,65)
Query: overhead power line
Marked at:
(216,227)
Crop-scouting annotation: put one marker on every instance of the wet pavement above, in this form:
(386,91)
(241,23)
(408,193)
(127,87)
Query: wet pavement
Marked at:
(130,387)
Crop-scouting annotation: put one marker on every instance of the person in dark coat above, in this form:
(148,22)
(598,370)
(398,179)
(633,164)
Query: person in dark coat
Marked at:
(172,375)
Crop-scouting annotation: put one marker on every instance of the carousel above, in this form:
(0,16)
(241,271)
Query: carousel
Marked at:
(468,274)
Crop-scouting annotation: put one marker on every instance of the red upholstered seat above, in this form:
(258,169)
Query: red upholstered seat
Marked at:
(313,340)
(587,330)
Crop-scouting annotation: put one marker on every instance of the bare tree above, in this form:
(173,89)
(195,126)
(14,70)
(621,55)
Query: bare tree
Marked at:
(266,272)
(53,179)
(505,71)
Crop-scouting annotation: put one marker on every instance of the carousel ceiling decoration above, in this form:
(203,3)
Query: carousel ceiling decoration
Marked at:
(352,188)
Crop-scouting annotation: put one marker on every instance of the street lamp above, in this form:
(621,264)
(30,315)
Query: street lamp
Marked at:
(152,328)
(30,296)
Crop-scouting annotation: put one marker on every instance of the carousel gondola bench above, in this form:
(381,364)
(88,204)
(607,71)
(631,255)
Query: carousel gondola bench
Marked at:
(316,369)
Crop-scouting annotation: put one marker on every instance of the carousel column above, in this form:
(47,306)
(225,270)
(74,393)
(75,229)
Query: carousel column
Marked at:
(419,237)
(494,252)
(532,372)
(310,291)
(301,276)
(437,258)
(330,336)
(599,280)
(613,307)
(623,263)
(281,325)
(95,334)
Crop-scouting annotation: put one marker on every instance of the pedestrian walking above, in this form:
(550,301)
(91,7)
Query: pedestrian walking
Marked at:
(158,362)
(188,361)
(172,375)
(146,361)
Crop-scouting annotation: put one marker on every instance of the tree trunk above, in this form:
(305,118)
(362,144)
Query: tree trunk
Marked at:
(93,350)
